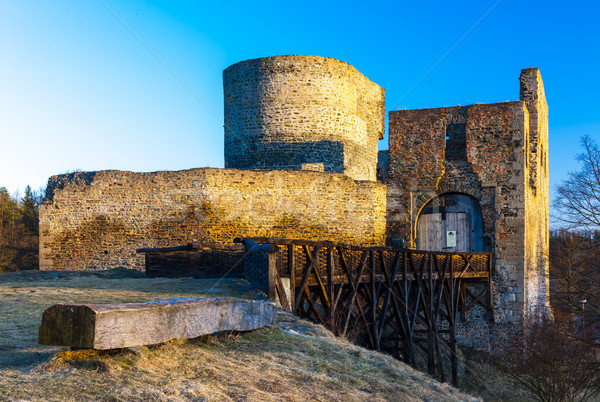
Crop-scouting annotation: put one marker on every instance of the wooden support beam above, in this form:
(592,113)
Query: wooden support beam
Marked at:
(397,297)
(491,289)
(354,282)
(313,306)
(330,285)
(281,292)
(292,273)
(324,293)
(306,273)
(477,299)
(271,275)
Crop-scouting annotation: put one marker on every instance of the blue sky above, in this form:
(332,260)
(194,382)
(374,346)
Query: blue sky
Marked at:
(137,85)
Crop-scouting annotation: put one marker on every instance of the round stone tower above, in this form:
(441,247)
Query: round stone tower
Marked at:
(302,112)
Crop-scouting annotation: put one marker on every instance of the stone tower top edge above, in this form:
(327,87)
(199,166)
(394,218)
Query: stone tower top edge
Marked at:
(289,57)
(531,81)
(530,69)
(532,73)
(307,59)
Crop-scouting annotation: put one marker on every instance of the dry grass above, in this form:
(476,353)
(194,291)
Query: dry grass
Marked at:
(267,364)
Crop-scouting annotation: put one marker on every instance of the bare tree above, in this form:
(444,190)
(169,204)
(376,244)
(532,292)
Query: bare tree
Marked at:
(578,197)
(551,363)
(575,278)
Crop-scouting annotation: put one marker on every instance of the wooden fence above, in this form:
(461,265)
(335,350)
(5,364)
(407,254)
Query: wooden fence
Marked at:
(203,260)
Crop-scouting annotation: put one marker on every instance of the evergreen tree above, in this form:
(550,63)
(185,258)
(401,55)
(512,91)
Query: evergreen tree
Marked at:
(9,226)
(19,237)
(29,211)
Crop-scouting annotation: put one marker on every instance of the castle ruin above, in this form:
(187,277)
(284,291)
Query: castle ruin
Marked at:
(301,158)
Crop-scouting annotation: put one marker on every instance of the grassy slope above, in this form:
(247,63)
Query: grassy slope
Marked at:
(268,364)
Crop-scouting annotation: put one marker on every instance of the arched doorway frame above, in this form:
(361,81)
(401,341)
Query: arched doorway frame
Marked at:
(422,199)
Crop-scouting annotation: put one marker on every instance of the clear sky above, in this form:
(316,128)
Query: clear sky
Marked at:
(137,85)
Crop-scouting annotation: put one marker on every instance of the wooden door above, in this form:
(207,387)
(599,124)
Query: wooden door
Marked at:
(429,232)
(432,232)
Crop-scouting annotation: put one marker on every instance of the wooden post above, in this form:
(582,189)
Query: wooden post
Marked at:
(147,261)
(330,288)
(429,306)
(407,288)
(292,272)
(452,323)
(491,289)
(453,356)
(272,267)
(463,295)
(439,288)
(373,320)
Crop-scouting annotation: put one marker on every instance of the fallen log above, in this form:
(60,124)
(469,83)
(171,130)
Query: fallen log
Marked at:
(112,326)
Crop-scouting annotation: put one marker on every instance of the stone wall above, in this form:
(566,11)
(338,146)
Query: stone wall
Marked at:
(491,172)
(497,154)
(536,194)
(285,111)
(93,220)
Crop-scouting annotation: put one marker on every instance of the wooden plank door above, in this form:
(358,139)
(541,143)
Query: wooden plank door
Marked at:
(429,232)
(432,232)
(459,223)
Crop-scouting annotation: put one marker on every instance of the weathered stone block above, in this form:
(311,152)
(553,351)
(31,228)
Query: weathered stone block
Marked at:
(111,326)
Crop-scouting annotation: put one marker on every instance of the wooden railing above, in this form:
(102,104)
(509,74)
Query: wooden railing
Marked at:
(205,260)
(394,300)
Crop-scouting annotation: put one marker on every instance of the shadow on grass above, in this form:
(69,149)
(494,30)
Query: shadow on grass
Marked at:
(24,359)
(131,280)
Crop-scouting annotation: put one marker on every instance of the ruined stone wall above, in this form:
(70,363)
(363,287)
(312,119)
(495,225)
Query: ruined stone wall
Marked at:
(420,167)
(536,194)
(93,220)
(285,111)
(490,167)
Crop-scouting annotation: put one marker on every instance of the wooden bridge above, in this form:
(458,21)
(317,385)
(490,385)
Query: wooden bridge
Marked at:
(394,300)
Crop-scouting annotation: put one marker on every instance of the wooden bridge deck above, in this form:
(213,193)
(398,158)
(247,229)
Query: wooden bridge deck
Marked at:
(398,300)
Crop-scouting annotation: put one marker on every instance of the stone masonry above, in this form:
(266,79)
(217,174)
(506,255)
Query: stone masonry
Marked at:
(285,111)
(95,220)
(500,161)
(312,124)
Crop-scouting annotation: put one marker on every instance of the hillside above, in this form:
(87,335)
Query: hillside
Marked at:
(295,360)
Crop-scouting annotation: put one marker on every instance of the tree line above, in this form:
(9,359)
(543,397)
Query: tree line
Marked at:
(575,278)
(575,249)
(19,230)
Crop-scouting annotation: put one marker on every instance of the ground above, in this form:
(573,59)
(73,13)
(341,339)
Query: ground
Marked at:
(295,360)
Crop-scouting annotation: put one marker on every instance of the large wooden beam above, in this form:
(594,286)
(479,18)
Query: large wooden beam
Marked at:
(112,326)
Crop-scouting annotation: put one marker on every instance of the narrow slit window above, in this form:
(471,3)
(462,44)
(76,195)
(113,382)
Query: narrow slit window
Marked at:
(456,143)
